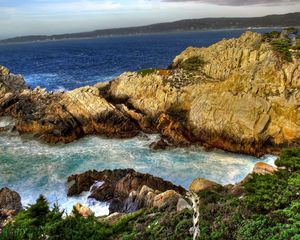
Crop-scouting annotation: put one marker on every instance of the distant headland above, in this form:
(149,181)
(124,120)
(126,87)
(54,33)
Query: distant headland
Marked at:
(284,20)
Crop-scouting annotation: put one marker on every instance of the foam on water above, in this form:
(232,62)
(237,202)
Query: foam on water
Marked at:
(31,167)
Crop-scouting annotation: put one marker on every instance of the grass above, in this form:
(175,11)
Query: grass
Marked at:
(148,71)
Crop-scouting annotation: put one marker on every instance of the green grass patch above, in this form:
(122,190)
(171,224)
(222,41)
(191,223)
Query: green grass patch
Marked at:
(148,71)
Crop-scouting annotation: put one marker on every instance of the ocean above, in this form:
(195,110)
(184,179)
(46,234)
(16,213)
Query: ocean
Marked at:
(32,167)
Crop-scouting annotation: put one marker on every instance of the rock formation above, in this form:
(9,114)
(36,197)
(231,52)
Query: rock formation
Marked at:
(238,95)
(10,205)
(125,189)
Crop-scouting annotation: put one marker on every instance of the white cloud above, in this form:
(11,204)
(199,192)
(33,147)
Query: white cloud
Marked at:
(7,10)
(82,5)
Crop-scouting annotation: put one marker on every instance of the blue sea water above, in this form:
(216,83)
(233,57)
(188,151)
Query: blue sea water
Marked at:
(32,167)
(73,63)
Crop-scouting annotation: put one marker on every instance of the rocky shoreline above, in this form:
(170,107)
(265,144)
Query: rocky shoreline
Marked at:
(238,95)
(127,191)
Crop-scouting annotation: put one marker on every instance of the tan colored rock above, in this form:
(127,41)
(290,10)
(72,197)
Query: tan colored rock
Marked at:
(83,211)
(264,168)
(244,99)
(4,71)
(200,184)
(182,204)
(164,198)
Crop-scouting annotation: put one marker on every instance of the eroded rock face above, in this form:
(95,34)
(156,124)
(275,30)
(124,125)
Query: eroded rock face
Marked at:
(125,189)
(62,117)
(244,98)
(10,200)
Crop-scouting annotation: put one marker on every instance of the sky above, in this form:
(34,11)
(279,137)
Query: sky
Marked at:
(32,17)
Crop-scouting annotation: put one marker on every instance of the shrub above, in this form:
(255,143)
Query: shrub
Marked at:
(289,159)
(148,71)
(193,63)
(282,47)
(271,35)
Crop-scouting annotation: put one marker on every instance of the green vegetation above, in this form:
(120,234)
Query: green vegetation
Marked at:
(265,207)
(283,43)
(148,71)
(282,46)
(194,63)
(271,35)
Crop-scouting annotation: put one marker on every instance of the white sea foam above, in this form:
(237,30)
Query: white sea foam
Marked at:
(32,168)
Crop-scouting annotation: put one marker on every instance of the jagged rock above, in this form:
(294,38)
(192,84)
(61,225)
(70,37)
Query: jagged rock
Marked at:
(264,168)
(4,71)
(125,189)
(182,204)
(10,200)
(161,144)
(200,184)
(10,205)
(169,197)
(244,98)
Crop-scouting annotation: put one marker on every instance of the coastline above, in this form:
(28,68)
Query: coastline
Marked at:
(142,34)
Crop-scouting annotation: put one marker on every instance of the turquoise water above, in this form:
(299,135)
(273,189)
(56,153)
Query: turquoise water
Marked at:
(31,167)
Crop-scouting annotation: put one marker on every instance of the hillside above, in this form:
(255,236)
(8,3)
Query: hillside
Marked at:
(285,20)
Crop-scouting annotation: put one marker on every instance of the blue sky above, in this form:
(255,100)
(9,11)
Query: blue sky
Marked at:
(23,17)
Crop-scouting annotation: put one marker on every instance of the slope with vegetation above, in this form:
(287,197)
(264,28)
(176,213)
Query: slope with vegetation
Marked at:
(260,207)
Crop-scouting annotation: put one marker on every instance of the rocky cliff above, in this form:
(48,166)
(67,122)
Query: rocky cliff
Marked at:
(238,95)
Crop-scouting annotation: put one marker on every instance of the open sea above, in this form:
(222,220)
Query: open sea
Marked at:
(31,167)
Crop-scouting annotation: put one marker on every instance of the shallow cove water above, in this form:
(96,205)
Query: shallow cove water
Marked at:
(31,167)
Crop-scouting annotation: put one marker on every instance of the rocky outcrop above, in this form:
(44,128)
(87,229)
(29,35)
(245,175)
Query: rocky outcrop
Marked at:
(242,97)
(10,205)
(62,117)
(10,200)
(238,95)
(125,189)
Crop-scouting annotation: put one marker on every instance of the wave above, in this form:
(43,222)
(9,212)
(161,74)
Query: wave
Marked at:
(31,167)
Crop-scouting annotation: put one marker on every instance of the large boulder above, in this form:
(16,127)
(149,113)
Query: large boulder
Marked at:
(264,168)
(201,184)
(10,200)
(10,205)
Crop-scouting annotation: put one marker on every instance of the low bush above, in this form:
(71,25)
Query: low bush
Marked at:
(194,63)
(282,47)
(148,71)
